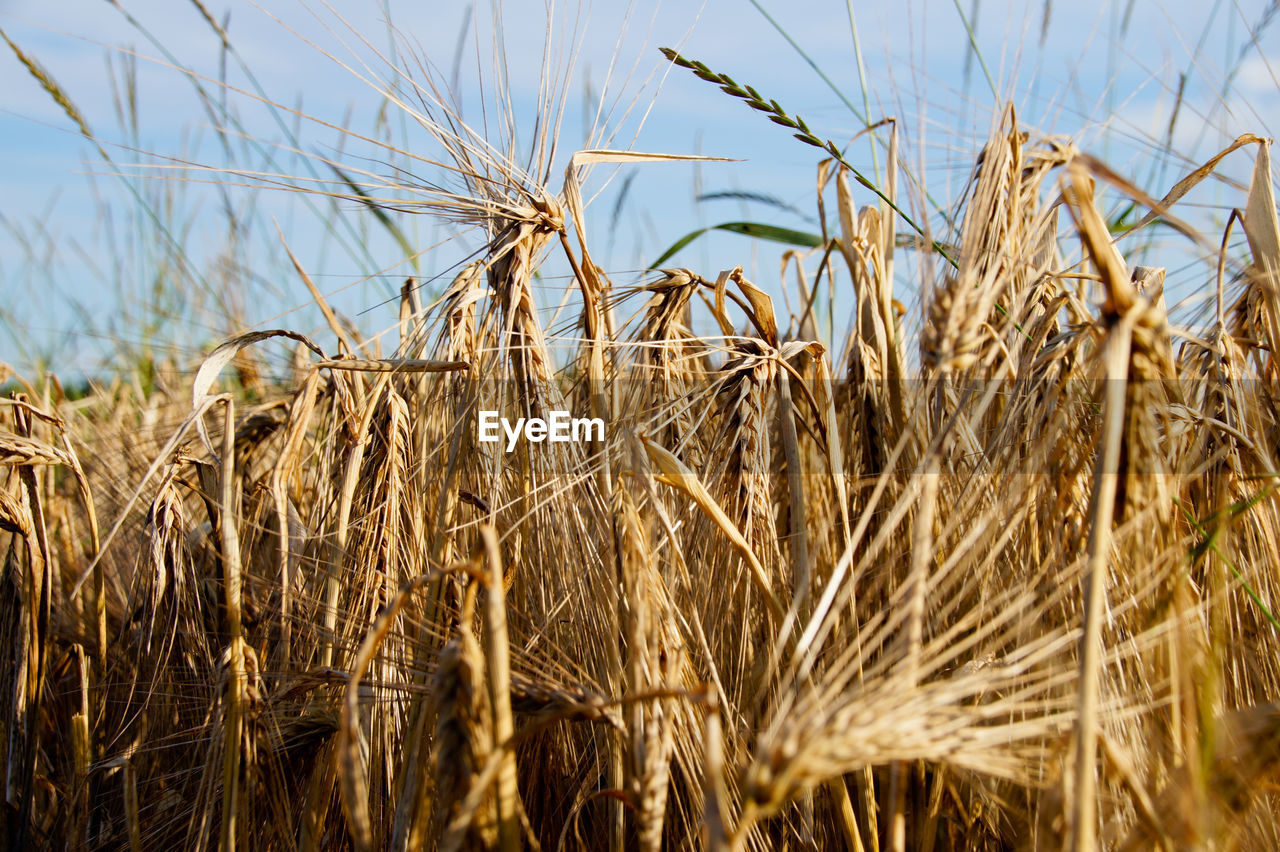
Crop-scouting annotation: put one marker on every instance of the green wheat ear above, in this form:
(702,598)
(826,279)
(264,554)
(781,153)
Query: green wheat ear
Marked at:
(778,115)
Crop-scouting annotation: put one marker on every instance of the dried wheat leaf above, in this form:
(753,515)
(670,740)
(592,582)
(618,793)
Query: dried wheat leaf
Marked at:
(222,355)
(673,472)
(1182,187)
(1263,232)
(393,365)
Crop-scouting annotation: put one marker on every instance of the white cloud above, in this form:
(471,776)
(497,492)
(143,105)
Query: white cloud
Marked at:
(1258,76)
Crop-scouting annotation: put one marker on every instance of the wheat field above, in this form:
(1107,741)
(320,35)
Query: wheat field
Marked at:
(997,570)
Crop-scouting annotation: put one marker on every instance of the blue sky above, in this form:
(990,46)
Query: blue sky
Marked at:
(79,263)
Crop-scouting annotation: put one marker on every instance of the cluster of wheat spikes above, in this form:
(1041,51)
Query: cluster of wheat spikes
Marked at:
(804,595)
